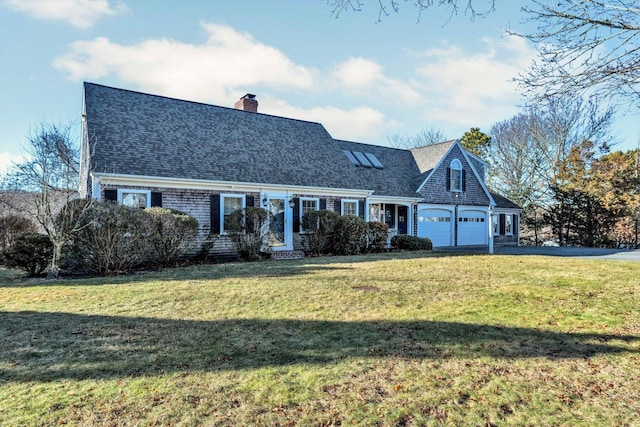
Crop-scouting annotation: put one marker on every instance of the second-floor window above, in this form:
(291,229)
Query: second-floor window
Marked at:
(456,175)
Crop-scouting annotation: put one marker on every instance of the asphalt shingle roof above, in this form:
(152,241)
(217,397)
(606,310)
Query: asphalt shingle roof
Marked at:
(134,133)
(149,135)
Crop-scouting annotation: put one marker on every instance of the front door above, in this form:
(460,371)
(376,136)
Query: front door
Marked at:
(402,219)
(280,223)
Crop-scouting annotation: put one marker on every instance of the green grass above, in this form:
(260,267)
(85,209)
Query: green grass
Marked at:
(392,339)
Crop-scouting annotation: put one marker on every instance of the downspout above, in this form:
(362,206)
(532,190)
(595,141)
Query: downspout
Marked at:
(491,230)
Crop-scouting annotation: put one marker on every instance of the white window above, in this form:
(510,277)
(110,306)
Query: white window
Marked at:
(350,207)
(496,225)
(135,198)
(456,175)
(307,205)
(508,229)
(229,203)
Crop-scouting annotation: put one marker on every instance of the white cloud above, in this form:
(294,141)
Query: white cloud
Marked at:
(358,73)
(355,124)
(79,13)
(7,160)
(362,76)
(474,89)
(228,63)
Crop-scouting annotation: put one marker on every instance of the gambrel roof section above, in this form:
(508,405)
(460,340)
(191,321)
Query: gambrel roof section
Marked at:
(139,134)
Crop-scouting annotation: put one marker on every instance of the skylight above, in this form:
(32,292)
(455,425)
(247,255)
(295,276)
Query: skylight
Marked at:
(367,160)
(362,159)
(351,157)
(374,160)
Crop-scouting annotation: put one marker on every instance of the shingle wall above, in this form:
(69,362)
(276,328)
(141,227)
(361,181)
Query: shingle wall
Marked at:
(435,190)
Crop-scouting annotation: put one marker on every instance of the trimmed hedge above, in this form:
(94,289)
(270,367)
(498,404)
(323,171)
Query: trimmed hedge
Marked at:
(249,231)
(405,242)
(318,226)
(377,234)
(349,235)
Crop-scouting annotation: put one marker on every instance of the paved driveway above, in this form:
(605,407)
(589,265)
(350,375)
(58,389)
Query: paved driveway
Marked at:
(564,251)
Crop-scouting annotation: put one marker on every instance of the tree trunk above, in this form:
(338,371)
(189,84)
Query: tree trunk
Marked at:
(55,260)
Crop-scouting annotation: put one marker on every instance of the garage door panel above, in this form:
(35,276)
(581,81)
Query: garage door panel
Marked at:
(437,225)
(472,228)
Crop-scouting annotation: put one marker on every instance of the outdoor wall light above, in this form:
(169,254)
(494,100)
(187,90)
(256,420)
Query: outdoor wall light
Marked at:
(292,203)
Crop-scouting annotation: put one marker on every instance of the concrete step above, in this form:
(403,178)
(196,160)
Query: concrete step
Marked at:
(287,254)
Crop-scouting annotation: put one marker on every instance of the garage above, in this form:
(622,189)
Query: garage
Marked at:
(436,224)
(472,228)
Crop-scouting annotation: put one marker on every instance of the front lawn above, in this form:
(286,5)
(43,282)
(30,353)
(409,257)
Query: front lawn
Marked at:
(392,339)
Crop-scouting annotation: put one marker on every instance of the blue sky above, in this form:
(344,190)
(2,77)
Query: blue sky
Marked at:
(364,81)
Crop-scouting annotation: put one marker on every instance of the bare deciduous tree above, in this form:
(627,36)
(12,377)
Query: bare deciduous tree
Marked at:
(530,149)
(425,137)
(585,46)
(387,7)
(48,179)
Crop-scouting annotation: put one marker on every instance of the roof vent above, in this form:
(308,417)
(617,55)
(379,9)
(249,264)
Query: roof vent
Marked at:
(247,103)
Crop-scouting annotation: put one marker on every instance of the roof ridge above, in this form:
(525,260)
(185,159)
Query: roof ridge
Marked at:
(370,145)
(170,98)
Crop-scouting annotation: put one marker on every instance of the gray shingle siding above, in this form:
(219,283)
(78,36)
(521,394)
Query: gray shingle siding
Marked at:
(435,189)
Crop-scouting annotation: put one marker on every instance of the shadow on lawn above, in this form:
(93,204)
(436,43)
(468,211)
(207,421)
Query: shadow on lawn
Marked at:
(37,346)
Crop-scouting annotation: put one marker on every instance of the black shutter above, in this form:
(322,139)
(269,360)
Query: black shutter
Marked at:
(215,214)
(448,179)
(296,214)
(323,205)
(502,225)
(464,180)
(156,199)
(361,209)
(250,202)
(111,195)
(337,206)
(513,225)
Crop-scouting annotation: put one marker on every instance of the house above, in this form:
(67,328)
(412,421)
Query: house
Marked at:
(208,161)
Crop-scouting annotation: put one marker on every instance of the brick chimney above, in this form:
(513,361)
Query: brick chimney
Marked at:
(247,103)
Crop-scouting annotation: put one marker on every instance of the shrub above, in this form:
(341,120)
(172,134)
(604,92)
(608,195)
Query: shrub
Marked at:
(113,238)
(13,227)
(349,235)
(171,234)
(411,243)
(30,252)
(318,226)
(248,230)
(209,241)
(377,234)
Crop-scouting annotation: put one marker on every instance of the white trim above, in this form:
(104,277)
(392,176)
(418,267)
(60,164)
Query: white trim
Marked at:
(473,169)
(492,202)
(288,219)
(136,191)
(300,214)
(194,184)
(396,200)
(342,202)
(242,197)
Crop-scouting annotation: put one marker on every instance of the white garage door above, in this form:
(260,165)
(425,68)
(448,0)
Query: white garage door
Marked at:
(472,228)
(435,224)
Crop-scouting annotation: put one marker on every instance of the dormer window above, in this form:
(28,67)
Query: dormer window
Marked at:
(455,175)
